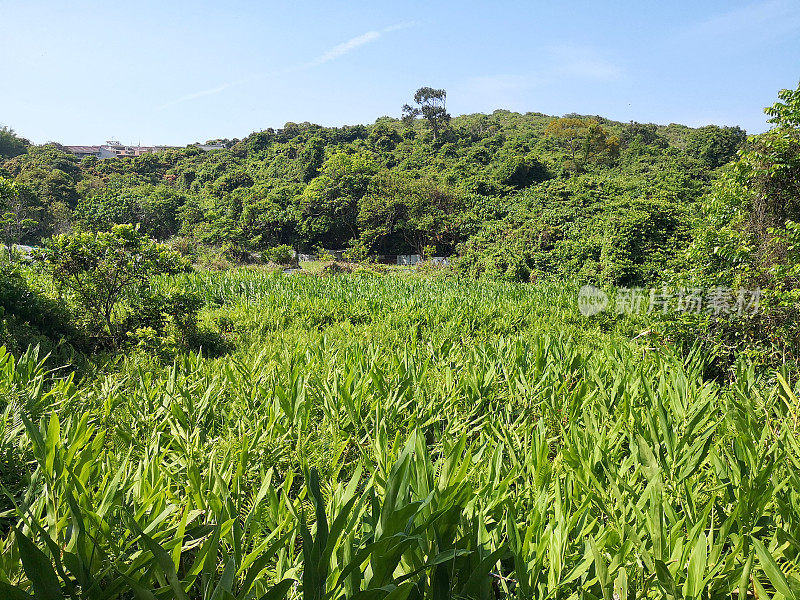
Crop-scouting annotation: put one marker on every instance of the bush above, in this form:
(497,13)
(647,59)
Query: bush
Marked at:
(749,237)
(185,246)
(358,252)
(164,321)
(106,270)
(323,255)
(29,317)
(280,255)
(234,253)
(15,296)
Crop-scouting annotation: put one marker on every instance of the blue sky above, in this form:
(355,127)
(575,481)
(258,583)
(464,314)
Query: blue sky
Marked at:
(177,72)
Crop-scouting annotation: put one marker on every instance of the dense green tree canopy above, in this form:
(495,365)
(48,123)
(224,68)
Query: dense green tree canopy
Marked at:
(11,144)
(576,195)
(19,213)
(749,234)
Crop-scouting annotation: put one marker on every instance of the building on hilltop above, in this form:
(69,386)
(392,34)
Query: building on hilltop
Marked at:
(113,149)
(83,151)
(210,147)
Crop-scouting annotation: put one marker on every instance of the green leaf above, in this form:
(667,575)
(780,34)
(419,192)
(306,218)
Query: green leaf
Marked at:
(279,590)
(665,579)
(442,557)
(261,562)
(139,591)
(441,583)
(9,592)
(744,580)
(163,559)
(697,567)
(773,571)
(225,583)
(38,568)
(51,442)
(601,570)
(401,592)
(35,436)
(177,550)
(481,572)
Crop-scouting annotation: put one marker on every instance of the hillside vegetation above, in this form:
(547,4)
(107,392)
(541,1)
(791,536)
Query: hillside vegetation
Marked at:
(184,417)
(517,195)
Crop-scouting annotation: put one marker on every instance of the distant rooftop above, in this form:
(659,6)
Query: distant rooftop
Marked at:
(82,149)
(113,149)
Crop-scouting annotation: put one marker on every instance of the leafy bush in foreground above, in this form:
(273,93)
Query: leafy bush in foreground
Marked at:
(104,269)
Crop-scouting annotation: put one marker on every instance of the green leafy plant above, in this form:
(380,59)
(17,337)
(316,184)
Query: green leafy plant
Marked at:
(103,269)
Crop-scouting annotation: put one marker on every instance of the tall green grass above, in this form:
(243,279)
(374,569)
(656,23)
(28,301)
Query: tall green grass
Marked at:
(458,440)
(261,304)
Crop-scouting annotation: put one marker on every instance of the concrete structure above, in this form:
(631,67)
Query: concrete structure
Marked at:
(337,255)
(113,149)
(210,147)
(24,252)
(407,260)
(83,151)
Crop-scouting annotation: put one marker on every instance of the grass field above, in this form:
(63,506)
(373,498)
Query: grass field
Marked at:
(366,436)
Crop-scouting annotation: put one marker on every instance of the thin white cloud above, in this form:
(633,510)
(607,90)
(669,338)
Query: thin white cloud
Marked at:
(200,94)
(344,48)
(357,42)
(327,56)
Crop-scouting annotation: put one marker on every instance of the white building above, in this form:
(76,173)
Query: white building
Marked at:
(113,149)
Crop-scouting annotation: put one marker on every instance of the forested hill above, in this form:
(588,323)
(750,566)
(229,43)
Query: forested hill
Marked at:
(513,195)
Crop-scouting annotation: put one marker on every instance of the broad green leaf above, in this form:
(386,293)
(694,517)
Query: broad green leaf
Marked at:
(38,569)
(774,573)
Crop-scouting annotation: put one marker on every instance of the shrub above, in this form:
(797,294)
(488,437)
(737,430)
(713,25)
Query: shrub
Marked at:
(106,268)
(27,316)
(750,237)
(280,255)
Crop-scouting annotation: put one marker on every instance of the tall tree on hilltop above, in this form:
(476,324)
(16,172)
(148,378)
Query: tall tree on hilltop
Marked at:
(432,107)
